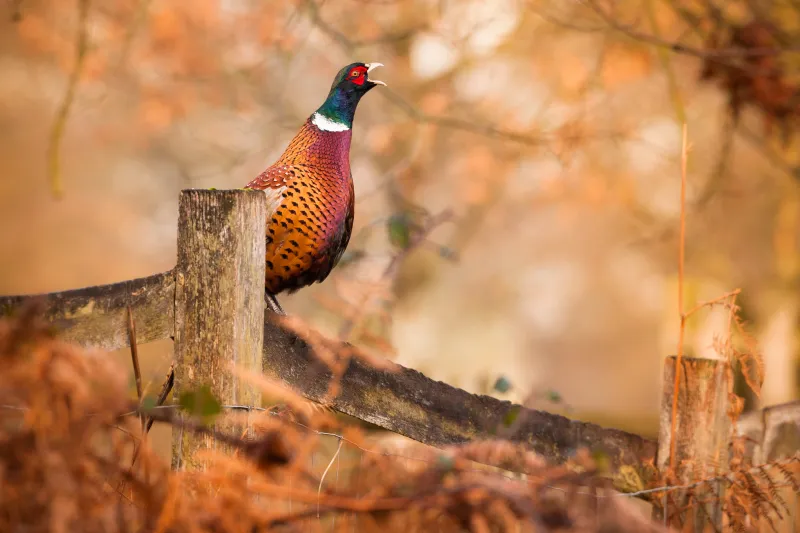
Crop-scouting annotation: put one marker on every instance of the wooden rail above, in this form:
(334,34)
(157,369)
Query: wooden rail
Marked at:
(407,402)
(97,316)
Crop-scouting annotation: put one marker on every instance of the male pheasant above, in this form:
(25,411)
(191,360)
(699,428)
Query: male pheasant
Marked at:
(310,193)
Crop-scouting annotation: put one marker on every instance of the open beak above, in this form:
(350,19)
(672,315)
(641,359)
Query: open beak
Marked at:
(371,66)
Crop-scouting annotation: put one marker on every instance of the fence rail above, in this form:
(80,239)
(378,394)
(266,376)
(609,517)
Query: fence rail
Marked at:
(215,287)
(97,316)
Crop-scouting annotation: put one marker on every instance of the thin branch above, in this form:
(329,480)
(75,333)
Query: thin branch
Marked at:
(351,44)
(137,372)
(140,16)
(664,58)
(171,417)
(727,53)
(166,388)
(325,473)
(712,185)
(682,330)
(570,25)
(711,302)
(60,123)
(147,422)
(416,240)
(414,112)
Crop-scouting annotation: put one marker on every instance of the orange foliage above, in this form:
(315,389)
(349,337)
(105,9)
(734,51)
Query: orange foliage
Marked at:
(572,72)
(380,138)
(33,31)
(95,66)
(623,65)
(435,102)
(595,190)
(165,28)
(155,114)
(266,29)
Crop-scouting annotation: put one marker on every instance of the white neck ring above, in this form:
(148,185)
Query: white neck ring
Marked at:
(326,124)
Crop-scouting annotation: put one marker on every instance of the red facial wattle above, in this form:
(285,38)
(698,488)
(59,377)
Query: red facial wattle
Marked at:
(358,75)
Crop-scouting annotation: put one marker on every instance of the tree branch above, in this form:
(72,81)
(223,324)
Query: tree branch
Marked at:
(60,123)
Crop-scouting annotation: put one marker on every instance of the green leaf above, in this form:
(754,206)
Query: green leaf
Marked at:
(502,384)
(200,402)
(445,462)
(148,403)
(554,396)
(399,227)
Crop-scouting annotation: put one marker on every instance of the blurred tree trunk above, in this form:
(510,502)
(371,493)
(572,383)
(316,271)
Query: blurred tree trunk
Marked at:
(777,340)
(781,316)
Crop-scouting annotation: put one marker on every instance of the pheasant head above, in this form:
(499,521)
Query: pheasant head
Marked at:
(339,108)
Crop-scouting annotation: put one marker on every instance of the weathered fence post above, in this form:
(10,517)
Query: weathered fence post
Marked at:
(219,302)
(702,435)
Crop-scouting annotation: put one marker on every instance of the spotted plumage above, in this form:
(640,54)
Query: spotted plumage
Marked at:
(310,197)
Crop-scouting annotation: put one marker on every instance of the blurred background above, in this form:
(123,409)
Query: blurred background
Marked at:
(535,145)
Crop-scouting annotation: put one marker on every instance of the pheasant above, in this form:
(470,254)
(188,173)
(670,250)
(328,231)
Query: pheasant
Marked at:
(310,196)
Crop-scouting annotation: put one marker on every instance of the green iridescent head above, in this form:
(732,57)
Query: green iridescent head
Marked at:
(349,85)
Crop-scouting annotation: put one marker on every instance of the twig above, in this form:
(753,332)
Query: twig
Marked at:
(57,131)
(416,114)
(171,417)
(711,187)
(416,240)
(341,357)
(351,44)
(663,56)
(147,421)
(325,473)
(140,17)
(166,388)
(137,372)
(711,302)
(681,48)
(682,330)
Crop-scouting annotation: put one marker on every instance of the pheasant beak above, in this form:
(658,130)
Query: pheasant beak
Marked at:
(371,66)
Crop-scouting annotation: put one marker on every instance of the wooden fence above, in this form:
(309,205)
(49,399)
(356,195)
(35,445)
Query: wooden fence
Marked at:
(211,304)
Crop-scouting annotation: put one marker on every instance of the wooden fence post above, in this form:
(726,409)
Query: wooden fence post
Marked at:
(219,302)
(702,436)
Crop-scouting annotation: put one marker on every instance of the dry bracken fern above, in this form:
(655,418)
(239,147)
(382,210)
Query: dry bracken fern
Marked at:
(68,434)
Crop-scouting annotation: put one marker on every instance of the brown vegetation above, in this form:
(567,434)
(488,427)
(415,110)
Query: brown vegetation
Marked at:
(68,432)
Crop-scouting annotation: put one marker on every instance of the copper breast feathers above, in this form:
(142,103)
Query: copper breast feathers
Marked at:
(310,201)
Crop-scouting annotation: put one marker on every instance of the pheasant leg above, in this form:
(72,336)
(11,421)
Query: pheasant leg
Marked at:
(272,304)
